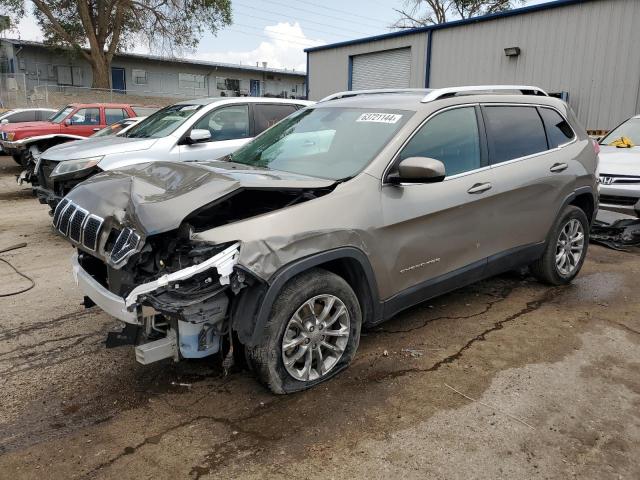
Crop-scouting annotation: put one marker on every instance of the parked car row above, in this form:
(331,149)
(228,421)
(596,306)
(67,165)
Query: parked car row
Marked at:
(336,216)
(620,168)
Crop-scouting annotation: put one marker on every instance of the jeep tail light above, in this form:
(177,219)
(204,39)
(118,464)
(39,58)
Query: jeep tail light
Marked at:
(596,147)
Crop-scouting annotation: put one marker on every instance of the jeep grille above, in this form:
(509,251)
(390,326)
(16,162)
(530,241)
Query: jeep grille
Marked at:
(76,223)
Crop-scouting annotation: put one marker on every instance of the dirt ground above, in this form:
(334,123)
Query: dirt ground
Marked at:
(504,379)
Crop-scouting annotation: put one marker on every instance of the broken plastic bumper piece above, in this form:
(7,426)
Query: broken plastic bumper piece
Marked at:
(124,308)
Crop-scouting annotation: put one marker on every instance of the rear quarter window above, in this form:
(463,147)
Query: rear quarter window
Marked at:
(265,116)
(558,129)
(514,132)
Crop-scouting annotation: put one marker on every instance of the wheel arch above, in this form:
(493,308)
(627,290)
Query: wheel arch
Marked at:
(253,305)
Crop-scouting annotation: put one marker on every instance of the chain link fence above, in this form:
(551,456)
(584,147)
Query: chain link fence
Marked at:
(15,93)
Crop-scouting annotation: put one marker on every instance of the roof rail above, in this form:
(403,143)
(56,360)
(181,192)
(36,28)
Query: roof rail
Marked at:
(438,93)
(354,93)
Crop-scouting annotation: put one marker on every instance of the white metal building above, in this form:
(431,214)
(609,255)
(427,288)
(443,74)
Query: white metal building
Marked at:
(587,49)
(149,75)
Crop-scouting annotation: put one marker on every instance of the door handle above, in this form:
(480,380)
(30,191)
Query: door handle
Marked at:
(558,167)
(96,129)
(480,188)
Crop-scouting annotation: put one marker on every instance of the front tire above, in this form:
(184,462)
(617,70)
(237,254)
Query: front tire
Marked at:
(312,334)
(17,157)
(566,248)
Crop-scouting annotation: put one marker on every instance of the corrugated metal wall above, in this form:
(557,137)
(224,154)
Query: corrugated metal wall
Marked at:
(329,69)
(591,50)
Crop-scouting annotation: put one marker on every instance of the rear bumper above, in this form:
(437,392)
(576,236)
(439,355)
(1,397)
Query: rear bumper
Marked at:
(106,300)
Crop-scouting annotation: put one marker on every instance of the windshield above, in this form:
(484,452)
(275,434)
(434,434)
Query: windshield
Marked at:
(334,143)
(113,129)
(61,114)
(629,129)
(164,122)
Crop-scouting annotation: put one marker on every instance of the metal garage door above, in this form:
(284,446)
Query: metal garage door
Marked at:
(387,69)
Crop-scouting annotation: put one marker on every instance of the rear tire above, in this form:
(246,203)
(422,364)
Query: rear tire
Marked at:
(314,326)
(566,248)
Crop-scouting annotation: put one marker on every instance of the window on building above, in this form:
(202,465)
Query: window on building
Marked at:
(139,76)
(558,129)
(86,116)
(265,116)
(514,132)
(63,74)
(78,77)
(191,80)
(226,123)
(451,137)
(113,115)
(228,84)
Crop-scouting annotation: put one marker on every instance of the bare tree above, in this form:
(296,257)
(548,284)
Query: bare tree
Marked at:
(420,13)
(97,29)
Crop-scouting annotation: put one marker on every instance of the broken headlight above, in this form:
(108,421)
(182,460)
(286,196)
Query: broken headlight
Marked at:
(71,166)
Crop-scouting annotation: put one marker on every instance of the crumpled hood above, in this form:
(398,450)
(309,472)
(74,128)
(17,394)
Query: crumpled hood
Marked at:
(93,147)
(156,197)
(619,161)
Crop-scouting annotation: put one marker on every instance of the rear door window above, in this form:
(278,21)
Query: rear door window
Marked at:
(558,129)
(113,115)
(451,137)
(514,132)
(265,116)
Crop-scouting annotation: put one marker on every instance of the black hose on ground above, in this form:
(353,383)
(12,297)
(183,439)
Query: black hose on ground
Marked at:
(26,277)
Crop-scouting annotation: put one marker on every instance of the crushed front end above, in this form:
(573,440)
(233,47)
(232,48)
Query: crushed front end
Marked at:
(172,293)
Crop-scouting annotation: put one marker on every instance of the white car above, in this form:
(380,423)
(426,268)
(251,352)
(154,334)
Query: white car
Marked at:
(203,129)
(620,168)
(19,115)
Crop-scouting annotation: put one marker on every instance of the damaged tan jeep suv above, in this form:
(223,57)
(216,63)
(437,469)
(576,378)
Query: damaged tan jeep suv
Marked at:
(336,218)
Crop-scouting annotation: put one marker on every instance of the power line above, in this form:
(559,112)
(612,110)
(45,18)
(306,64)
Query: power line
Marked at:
(325,15)
(337,10)
(324,32)
(283,37)
(298,18)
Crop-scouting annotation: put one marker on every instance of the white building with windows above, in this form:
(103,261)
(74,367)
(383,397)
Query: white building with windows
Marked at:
(38,65)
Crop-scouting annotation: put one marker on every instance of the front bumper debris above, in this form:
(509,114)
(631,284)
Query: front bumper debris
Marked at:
(124,308)
(111,303)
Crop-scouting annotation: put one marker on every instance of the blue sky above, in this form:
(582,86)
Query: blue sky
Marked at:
(277,31)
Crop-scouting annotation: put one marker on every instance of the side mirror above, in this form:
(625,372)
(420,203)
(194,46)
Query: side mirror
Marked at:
(198,135)
(418,170)
(4,121)
(68,122)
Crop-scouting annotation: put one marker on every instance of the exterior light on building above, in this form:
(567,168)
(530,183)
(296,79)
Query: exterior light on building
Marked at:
(512,51)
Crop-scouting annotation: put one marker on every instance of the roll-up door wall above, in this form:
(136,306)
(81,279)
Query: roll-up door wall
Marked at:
(385,69)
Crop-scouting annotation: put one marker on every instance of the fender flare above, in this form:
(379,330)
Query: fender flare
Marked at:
(581,191)
(254,305)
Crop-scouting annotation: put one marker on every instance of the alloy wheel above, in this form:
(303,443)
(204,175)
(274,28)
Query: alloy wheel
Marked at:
(570,247)
(315,337)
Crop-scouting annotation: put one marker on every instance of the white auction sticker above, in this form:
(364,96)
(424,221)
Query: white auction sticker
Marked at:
(379,117)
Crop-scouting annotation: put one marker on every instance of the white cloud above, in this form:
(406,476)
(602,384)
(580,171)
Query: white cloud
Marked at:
(283,49)
(27,29)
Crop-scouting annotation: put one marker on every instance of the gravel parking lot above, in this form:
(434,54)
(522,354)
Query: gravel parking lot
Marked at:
(504,379)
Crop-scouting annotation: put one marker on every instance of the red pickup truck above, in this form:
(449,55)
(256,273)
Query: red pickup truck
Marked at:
(74,121)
